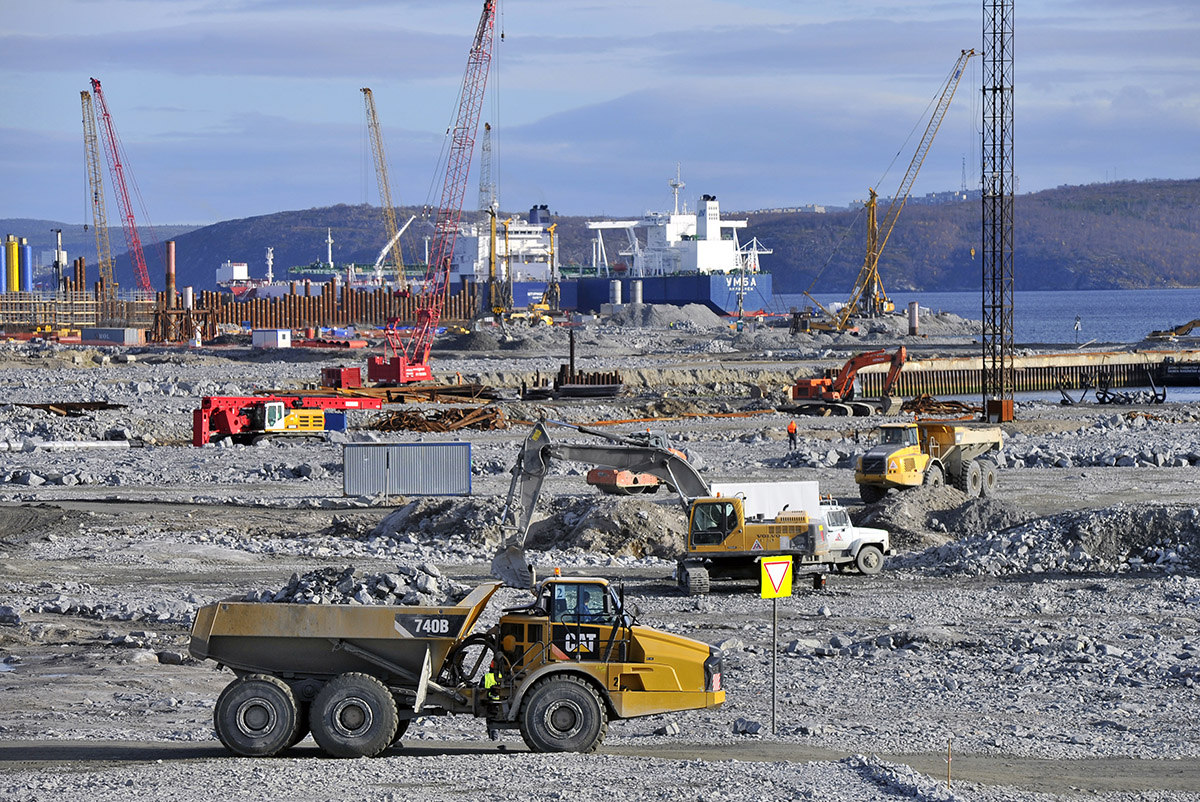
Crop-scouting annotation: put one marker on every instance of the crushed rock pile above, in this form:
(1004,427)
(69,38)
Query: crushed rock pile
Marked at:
(693,317)
(421,585)
(1118,538)
(474,521)
(614,527)
(925,516)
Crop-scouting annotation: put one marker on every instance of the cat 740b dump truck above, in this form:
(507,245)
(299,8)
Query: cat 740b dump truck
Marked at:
(929,453)
(558,669)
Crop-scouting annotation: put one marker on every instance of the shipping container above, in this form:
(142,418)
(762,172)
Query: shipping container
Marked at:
(407,469)
(112,336)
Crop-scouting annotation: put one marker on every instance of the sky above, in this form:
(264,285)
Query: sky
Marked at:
(235,108)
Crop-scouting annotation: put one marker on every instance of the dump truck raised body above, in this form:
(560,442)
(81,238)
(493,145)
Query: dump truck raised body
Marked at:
(355,675)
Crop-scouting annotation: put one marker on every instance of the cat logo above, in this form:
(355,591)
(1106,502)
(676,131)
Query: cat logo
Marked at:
(580,641)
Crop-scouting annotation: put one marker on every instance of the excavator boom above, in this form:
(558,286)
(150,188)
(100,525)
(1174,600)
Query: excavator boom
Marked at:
(533,463)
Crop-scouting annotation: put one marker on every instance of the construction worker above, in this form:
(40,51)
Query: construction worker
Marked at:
(791,430)
(491,685)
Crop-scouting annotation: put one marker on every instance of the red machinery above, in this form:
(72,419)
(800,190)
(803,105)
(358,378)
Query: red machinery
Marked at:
(239,416)
(825,395)
(112,147)
(407,359)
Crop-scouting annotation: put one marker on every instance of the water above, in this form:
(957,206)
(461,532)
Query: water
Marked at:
(1105,316)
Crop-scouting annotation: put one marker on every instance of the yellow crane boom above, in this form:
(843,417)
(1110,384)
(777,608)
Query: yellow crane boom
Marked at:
(385,189)
(868,296)
(91,148)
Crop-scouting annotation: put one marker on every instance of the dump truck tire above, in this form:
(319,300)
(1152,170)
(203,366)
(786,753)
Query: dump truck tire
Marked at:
(301,724)
(970,480)
(563,714)
(934,476)
(988,486)
(869,560)
(256,716)
(354,715)
(871,493)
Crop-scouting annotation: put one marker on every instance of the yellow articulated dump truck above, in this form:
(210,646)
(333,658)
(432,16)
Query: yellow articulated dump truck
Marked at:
(929,453)
(558,669)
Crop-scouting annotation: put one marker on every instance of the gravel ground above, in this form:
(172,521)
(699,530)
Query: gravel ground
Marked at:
(1048,636)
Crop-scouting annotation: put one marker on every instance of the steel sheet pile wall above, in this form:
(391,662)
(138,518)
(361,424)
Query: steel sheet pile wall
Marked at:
(313,305)
(407,469)
(942,377)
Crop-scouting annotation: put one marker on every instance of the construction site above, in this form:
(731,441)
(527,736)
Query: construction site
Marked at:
(470,541)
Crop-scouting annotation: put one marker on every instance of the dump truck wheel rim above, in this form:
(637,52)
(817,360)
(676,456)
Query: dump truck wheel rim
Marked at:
(255,718)
(564,718)
(352,717)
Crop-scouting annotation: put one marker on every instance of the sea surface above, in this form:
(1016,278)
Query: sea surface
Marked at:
(1105,316)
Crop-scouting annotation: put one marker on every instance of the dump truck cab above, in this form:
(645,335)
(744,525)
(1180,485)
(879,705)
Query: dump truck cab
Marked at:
(579,637)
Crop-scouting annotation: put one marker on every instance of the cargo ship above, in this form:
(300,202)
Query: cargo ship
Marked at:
(678,257)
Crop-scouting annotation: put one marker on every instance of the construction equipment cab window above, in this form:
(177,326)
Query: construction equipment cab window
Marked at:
(712,523)
(898,436)
(582,603)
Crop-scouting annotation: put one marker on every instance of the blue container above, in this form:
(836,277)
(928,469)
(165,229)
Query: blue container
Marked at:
(3,268)
(26,268)
(335,420)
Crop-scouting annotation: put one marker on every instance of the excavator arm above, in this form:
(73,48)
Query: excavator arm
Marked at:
(845,378)
(533,463)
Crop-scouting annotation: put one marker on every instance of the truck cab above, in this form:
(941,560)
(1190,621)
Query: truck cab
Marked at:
(578,628)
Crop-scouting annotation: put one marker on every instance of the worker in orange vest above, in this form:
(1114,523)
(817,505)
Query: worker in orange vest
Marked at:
(791,430)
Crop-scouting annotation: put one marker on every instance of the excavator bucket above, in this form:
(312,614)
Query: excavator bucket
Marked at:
(511,567)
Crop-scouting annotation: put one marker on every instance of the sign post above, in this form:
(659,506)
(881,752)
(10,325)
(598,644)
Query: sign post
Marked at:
(776,582)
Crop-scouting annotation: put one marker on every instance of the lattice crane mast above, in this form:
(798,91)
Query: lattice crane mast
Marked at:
(868,296)
(91,149)
(112,147)
(408,361)
(385,187)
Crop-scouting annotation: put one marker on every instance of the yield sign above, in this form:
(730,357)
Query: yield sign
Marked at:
(776,577)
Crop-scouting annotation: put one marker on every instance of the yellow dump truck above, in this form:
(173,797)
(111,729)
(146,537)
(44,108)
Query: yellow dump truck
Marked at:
(558,669)
(929,453)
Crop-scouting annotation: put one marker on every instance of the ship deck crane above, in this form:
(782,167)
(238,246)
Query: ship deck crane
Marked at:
(408,360)
(91,148)
(385,190)
(112,147)
(868,297)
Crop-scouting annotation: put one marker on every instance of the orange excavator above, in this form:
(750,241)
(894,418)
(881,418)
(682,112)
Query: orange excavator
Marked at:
(835,395)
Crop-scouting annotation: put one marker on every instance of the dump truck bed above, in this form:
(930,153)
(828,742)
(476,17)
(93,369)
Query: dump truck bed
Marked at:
(323,640)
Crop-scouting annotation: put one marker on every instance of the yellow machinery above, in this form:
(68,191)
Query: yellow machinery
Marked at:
(385,187)
(730,526)
(929,453)
(558,669)
(868,297)
(274,418)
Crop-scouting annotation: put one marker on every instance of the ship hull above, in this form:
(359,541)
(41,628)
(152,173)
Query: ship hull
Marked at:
(720,292)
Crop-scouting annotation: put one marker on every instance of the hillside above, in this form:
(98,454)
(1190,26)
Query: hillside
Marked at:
(1125,235)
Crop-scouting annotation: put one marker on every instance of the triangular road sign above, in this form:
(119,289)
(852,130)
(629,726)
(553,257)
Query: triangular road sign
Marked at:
(776,577)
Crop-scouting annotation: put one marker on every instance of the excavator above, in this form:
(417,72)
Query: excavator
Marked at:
(729,527)
(835,396)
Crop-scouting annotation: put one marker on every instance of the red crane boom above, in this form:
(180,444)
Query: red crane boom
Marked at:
(112,147)
(411,359)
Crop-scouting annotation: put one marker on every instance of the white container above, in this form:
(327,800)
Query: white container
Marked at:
(271,338)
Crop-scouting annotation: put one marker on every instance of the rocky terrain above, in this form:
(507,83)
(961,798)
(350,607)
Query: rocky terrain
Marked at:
(1047,637)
